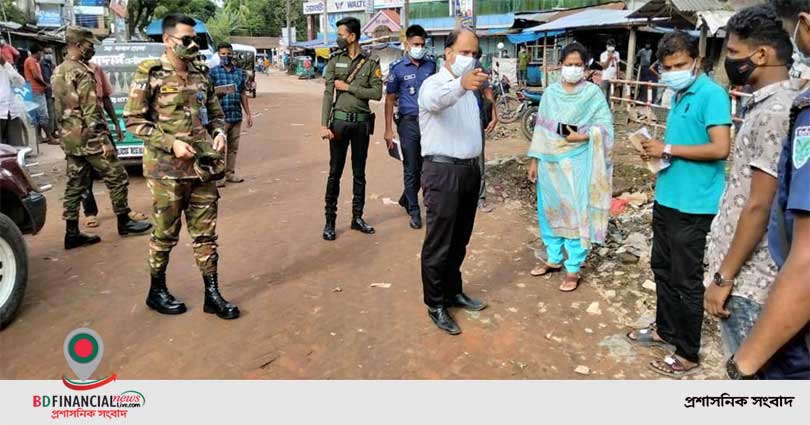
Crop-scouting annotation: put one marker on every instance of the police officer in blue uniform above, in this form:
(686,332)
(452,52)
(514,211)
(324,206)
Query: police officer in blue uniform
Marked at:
(405,77)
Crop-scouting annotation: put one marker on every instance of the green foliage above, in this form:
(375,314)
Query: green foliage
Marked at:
(142,12)
(13,13)
(224,23)
(257,18)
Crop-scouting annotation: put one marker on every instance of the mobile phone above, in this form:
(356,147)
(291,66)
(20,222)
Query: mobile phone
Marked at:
(563,129)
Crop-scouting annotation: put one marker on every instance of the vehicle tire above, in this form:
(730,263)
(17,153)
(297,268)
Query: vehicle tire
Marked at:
(527,122)
(13,269)
(508,107)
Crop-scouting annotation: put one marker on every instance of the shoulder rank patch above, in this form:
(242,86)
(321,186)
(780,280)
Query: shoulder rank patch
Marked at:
(395,63)
(169,90)
(148,65)
(801,147)
(377,72)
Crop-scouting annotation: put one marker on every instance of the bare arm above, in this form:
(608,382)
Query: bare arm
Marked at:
(245,104)
(787,309)
(390,101)
(717,148)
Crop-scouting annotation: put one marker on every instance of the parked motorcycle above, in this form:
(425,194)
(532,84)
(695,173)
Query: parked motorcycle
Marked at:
(506,104)
(530,101)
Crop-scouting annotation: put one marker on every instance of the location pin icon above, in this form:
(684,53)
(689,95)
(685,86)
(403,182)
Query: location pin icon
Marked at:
(83,351)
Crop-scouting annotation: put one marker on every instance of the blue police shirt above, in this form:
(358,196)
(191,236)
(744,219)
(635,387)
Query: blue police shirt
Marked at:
(793,190)
(405,78)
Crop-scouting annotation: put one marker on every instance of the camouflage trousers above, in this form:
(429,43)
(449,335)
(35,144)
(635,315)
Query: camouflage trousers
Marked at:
(78,174)
(170,199)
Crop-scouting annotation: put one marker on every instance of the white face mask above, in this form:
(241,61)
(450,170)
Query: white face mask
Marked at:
(611,49)
(462,65)
(572,74)
(417,52)
(799,56)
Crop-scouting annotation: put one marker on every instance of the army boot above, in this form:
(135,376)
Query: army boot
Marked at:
(329,230)
(159,298)
(128,226)
(74,238)
(214,303)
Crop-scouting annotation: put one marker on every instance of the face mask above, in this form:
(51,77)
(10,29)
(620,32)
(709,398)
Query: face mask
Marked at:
(88,53)
(186,54)
(572,74)
(462,65)
(417,52)
(49,57)
(611,49)
(225,60)
(801,57)
(739,70)
(342,43)
(678,80)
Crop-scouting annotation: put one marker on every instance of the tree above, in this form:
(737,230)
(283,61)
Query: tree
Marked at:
(142,12)
(223,24)
(13,13)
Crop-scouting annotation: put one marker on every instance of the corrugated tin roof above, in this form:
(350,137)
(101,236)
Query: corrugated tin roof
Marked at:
(714,19)
(590,18)
(700,5)
(659,8)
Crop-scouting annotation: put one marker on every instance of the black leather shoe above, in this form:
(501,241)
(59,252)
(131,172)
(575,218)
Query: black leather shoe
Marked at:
(214,303)
(160,300)
(74,238)
(441,317)
(416,221)
(128,226)
(360,224)
(403,202)
(329,231)
(467,303)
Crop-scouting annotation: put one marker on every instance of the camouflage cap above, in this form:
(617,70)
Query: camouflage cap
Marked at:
(79,34)
(208,163)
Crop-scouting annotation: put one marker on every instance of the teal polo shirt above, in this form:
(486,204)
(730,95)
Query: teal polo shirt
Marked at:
(694,187)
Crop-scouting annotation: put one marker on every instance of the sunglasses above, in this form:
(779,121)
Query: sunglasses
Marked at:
(187,40)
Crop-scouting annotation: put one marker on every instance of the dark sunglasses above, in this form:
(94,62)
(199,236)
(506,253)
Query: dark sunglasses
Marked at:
(187,40)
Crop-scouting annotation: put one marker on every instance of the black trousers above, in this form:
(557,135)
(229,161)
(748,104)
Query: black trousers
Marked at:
(451,200)
(679,242)
(411,140)
(354,135)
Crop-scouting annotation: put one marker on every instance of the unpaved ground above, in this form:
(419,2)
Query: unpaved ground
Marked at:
(308,309)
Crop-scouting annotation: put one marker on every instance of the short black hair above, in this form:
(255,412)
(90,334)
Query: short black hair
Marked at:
(453,37)
(760,26)
(611,42)
(416,31)
(352,24)
(677,41)
(35,48)
(790,8)
(224,45)
(170,22)
(575,47)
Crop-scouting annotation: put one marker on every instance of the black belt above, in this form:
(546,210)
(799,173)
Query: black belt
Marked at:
(441,159)
(409,118)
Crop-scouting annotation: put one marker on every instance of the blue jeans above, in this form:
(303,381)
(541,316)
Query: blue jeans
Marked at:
(792,361)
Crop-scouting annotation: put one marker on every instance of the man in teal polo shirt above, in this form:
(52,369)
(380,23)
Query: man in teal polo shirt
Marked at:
(687,196)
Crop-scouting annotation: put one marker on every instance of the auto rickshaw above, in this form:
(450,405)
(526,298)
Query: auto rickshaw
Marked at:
(245,58)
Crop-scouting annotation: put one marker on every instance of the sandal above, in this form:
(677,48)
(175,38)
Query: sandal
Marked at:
(137,216)
(544,269)
(569,280)
(673,367)
(646,337)
(91,221)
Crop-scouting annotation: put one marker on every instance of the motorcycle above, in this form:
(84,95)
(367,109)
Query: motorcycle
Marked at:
(530,101)
(507,105)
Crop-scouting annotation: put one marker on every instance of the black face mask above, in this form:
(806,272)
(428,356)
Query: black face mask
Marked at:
(739,70)
(342,43)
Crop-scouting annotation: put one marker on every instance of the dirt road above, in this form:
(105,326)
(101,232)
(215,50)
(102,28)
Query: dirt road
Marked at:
(308,309)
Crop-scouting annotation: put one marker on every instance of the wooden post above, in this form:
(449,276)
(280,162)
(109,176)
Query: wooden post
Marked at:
(631,61)
(545,59)
(704,35)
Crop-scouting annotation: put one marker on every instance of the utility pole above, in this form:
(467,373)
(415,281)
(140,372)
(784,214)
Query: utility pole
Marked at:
(406,14)
(325,23)
(289,27)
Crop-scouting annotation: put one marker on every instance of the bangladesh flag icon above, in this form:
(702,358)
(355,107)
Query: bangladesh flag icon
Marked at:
(83,351)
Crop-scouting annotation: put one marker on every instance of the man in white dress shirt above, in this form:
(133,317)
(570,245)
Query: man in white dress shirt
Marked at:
(11,126)
(449,120)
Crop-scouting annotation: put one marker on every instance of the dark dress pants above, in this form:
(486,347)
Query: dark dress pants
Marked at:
(451,200)
(354,135)
(410,138)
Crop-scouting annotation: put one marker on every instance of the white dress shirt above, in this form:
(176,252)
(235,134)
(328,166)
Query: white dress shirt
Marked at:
(449,118)
(9,77)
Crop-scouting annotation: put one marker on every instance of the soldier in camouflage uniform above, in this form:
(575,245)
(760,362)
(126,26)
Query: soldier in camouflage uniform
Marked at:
(172,108)
(86,140)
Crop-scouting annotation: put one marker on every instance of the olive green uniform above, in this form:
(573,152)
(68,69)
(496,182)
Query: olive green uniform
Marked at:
(163,107)
(84,132)
(351,122)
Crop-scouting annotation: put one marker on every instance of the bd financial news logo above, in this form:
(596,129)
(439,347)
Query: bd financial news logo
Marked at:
(83,349)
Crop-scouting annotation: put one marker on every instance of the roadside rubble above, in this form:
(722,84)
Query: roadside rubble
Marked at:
(619,270)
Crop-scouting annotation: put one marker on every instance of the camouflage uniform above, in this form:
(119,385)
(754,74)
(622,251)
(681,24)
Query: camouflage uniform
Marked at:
(84,132)
(163,107)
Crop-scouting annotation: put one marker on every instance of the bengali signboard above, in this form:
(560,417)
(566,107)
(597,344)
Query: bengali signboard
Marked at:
(315,7)
(49,15)
(120,61)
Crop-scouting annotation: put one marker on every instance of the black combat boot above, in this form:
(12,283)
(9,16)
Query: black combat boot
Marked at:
(329,230)
(159,298)
(74,238)
(128,226)
(360,225)
(214,303)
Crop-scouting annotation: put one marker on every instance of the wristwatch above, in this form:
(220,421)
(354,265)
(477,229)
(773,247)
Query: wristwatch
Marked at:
(667,155)
(721,281)
(734,372)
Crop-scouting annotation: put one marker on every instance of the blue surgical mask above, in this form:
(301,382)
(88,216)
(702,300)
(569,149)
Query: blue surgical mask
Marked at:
(225,60)
(462,65)
(679,80)
(418,52)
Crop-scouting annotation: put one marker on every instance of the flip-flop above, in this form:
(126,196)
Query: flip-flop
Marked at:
(569,280)
(544,269)
(673,368)
(91,221)
(134,215)
(644,338)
